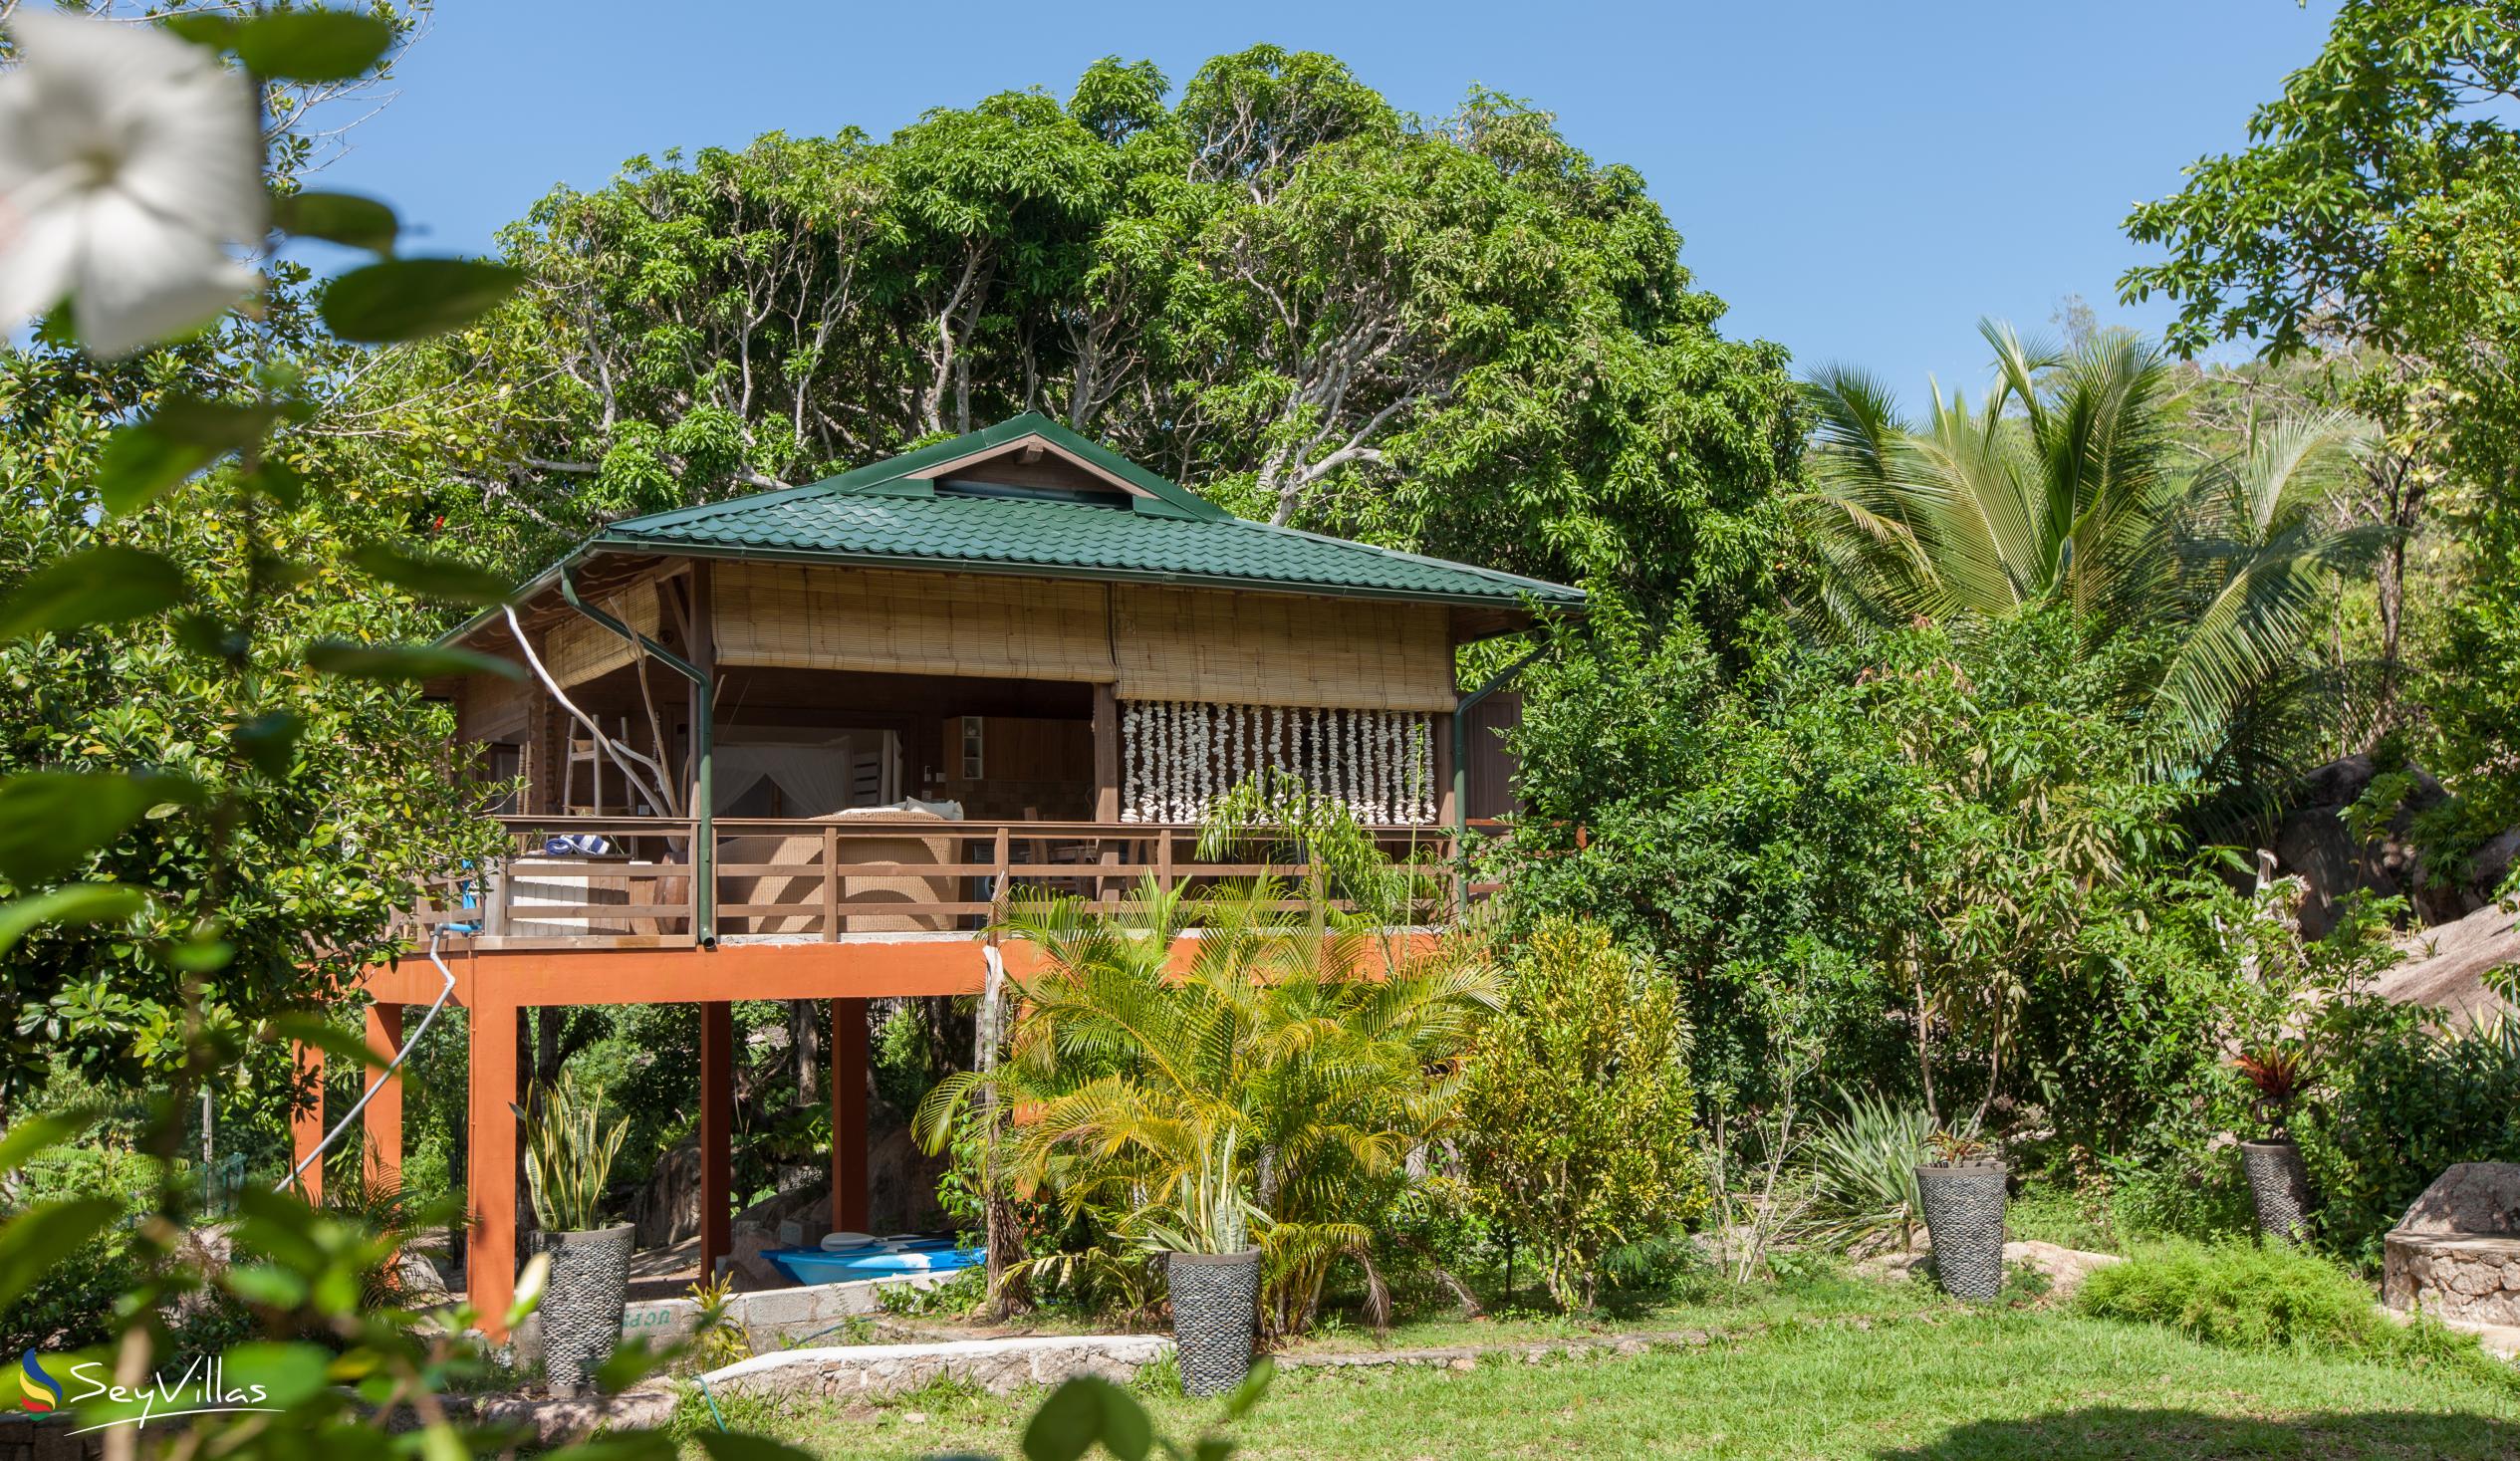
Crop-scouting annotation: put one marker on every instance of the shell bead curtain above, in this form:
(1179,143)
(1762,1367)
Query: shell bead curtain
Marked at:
(1177,757)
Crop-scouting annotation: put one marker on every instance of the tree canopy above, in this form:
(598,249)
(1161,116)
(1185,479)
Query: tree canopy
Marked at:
(1458,334)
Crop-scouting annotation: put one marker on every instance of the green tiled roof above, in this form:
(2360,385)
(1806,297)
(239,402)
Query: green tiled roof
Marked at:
(890,514)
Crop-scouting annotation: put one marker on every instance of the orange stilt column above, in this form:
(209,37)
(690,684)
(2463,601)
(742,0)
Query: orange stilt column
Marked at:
(717,1105)
(848,1115)
(305,1124)
(382,1118)
(490,1256)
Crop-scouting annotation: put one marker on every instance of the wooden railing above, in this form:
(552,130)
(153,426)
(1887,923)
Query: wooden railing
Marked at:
(626,883)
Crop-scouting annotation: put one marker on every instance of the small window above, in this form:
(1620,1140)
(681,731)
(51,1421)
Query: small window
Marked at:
(971,748)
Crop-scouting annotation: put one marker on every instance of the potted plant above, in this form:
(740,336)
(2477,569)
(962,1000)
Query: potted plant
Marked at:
(568,1165)
(2278,1179)
(1962,1193)
(1211,1269)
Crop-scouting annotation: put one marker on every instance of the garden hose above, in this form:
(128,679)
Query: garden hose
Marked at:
(435,936)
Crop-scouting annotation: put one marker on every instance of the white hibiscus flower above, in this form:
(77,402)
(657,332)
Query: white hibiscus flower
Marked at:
(130,161)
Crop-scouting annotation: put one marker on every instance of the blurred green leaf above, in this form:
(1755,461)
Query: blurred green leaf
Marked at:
(96,586)
(312,45)
(530,1282)
(142,461)
(1125,1432)
(221,426)
(410,299)
(440,1443)
(341,218)
(1068,1424)
(1254,1386)
(265,1284)
(634,1445)
(201,955)
(276,1225)
(44,1235)
(39,1133)
(331,1039)
(288,1373)
(80,903)
(50,820)
(403,661)
(278,481)
(208,636)
(432,577)
(217,32)
(730,1445)
(269,742)
(630,1361)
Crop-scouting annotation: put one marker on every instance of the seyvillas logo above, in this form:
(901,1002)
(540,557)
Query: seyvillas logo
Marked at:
(203,1389)
(42,1393)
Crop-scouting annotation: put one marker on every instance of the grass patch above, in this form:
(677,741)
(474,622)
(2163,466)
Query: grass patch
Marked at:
(2052,1212)
(2002,1386)
(1822,1293)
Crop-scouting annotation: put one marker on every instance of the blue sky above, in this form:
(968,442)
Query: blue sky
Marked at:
(1859,180)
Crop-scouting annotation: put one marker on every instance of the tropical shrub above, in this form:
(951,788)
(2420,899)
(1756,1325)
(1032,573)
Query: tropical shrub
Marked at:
(72,1308)
(1748,827)
(1957,821)
(1579,1118)
(2399,1104)
(1322,1044)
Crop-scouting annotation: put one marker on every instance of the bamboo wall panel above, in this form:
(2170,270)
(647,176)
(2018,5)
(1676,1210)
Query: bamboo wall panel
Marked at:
(580,649)
(1281,649)
(804,616)
(493,708)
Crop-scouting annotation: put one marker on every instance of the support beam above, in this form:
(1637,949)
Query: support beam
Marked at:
(850,1039)
(382,1120)
(1106,788)
(1448,780)
(306,1123)
(703,803)
(494,1088)
(1106,754)
(717,1107)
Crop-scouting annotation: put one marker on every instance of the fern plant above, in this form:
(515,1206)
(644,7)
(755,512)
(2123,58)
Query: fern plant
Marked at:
(569,1154)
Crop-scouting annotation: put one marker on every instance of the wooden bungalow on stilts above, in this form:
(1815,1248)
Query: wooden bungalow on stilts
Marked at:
(799,745)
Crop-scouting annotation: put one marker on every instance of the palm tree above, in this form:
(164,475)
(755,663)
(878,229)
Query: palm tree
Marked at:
(1299,1035)
(2067,488)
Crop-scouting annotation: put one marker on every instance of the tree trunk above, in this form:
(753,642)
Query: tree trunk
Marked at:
(807,1051)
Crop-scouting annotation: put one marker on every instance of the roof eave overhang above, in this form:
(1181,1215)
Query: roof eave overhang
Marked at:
(551,577)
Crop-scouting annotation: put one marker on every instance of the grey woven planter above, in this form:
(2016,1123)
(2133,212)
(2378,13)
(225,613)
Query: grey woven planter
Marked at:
(1964,1216)
(581,1312)
(1216,1308)
(2281,1184)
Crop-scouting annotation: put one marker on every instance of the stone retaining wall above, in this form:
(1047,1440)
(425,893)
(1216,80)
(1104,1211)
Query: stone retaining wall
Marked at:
(2455,1255)
(770,1317)
(2476,1279)
(997,1366)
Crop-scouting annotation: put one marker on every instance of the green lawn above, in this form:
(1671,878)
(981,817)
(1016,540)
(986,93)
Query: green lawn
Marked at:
(2035,1385)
